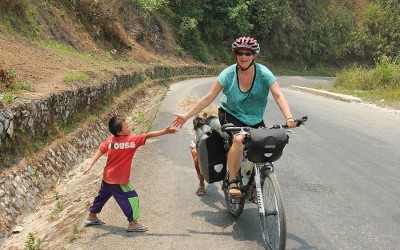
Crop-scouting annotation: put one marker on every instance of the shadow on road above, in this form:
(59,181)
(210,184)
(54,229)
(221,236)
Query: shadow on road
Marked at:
(303,244)
(244,228)
(120,231)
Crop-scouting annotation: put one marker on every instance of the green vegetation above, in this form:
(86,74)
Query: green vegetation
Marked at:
(9,84)
(189,37)
(20,16)
(77,77)
(57,196)
(60,47)
(33,242)
(36,175)
(75,232)
(308,32)
(150,5)
(379,84)
(379,31)
(67,126)
(139,118)
(385,75)
(7,160)
(58,208)
(12,154)
(24,85)
(8,97)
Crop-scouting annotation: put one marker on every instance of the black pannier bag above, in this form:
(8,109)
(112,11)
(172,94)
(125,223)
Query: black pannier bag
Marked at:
(211,151)
(266,145)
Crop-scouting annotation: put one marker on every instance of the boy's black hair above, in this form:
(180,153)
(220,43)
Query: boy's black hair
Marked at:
(115,125)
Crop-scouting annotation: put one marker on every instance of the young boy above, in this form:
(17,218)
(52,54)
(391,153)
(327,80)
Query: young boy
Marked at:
(120,147)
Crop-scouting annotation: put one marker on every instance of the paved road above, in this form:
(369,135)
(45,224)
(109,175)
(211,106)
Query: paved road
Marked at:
(339,176)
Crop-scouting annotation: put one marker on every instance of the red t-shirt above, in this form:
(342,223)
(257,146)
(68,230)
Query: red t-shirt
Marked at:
(120,153)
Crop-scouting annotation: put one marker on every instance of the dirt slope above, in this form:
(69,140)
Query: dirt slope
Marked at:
(46,68)
(94,37)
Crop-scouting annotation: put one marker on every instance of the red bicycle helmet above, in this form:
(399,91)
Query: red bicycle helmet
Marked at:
(246,43)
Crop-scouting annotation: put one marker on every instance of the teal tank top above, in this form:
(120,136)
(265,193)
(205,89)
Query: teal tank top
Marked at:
(248,107)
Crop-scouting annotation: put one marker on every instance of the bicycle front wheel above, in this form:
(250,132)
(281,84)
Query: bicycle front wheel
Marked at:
(273,223)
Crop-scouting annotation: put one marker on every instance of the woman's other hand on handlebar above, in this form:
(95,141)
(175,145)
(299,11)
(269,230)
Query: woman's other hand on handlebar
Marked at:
(179,120)
(291,123)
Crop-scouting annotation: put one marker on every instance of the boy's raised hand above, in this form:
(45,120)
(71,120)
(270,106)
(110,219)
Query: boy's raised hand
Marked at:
(170,130)
(167,130)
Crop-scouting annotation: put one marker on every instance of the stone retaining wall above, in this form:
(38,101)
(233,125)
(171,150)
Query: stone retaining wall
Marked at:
(35,118)
(6,124)
(21,186)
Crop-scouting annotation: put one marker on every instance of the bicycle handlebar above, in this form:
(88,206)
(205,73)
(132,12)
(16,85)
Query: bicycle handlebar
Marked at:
(229,126)
(299,122)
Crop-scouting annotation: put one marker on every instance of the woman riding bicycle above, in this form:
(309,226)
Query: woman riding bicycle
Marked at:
(245,86)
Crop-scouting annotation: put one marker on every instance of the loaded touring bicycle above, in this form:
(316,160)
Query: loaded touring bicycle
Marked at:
(257,180)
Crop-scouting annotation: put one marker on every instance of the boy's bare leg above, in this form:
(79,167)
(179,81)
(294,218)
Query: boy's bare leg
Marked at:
(201,180)
(200,190)
(92,216)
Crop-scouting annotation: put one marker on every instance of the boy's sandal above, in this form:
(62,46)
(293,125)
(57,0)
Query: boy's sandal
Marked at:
(138,228)
(200,191)
(234,185)
(93,222)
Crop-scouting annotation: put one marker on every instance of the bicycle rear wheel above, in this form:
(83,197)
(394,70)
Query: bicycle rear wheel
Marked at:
(273,223)
(234,205)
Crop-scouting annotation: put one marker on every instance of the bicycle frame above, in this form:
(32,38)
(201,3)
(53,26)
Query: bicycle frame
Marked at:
(257,180)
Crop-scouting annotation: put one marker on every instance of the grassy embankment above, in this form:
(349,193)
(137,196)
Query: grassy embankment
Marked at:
(379,84)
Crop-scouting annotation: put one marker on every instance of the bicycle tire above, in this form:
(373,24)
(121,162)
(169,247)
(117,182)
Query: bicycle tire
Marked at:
(233,204)
(273,224)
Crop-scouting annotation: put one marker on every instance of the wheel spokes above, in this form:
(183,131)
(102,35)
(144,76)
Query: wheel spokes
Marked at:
(270,222)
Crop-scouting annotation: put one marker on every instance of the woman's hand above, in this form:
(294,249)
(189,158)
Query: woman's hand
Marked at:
(179,120)
(291,123)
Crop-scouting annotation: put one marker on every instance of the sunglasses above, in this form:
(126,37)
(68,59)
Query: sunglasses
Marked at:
(238,53)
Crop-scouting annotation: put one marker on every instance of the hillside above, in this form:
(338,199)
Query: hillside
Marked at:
(49,47)
(51,52)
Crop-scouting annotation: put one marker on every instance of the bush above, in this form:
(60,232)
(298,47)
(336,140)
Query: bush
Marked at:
(189,39)
(19,15)
(379,31)
(150,5)
(8,81)
(353,78)
(7,78)
(385,75)
(329,39)
(19,8)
